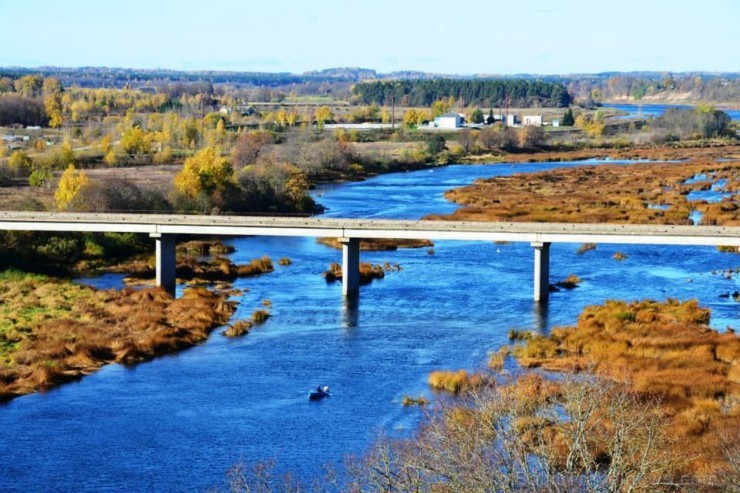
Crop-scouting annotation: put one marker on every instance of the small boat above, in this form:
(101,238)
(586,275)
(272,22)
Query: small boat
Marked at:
(319,393)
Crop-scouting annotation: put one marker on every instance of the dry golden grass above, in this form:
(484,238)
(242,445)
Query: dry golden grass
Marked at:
(238,328)
(53,331)
(414,401)
(368,272)
(260,316)
(665,350)
(614,194)
(378,244)
(570,282)
(496,360)
(218,270)
(456,381)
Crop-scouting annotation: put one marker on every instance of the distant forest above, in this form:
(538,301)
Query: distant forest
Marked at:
(360,85)
(487,93)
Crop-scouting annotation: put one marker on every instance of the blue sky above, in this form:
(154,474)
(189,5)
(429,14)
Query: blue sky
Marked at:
(462,36)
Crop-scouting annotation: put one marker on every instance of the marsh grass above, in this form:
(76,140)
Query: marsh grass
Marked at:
(218,269)
(238,328)
(368,272)
(666,351)
(586,247)
(456,381)
(587,194)
(53,331)
(379,244)
(570,282)
(414,401)
(260,316)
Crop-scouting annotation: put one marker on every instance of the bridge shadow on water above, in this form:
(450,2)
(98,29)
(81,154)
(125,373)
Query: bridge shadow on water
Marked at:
(541,317)
(350,311)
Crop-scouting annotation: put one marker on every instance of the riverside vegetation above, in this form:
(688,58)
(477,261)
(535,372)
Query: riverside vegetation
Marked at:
(637,194)
(53,331)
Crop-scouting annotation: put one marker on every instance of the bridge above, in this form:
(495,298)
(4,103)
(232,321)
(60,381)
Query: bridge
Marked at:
(166,228)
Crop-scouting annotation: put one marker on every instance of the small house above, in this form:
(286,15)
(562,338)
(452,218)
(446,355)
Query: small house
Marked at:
(448,120)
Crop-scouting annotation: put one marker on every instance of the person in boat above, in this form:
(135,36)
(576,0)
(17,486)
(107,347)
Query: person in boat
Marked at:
(319,389)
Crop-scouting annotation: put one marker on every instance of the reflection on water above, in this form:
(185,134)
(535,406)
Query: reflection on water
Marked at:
(541,311)
(350,311)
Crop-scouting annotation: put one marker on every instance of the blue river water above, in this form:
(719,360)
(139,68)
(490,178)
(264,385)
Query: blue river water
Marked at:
(656,110)
(178,423)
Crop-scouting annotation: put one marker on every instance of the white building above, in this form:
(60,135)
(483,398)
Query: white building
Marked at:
(448,120)
(533,120)
(512,120)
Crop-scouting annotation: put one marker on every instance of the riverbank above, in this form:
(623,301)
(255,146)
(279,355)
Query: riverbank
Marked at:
(53,331)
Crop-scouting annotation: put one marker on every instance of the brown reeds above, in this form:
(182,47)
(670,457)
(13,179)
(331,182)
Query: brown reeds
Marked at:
(570,282)
(53,331)
(614,194)
(238,328)
(456,381)
(368,272)
(666,351)
(379,244)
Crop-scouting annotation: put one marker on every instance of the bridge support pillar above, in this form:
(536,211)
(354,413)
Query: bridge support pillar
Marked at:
(166,261)
(350,266)
(541,271)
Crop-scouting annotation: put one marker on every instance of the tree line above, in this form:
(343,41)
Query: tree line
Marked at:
(487,93)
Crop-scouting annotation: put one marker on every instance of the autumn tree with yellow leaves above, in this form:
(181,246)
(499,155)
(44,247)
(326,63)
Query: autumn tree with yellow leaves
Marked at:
(70,184)
(206,180)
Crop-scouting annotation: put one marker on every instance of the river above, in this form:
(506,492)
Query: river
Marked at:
(656,110)
(179,422)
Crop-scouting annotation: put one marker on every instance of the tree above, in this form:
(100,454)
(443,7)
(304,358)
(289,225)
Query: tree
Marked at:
(323,114)
(435,144)
(52,90)
(204,175)
(70,184)
(136,140)
(568,120)
(531,136)
(477,116)
(528,436)
(65,156)
(467,139)
(28,86)
(249,146)
(20,163)
(413,118)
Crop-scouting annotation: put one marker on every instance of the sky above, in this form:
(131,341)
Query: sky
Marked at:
(453,37)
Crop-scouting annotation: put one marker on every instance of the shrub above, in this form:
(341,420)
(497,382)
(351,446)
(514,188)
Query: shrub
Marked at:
(586,247)
(238,328)
(260,316)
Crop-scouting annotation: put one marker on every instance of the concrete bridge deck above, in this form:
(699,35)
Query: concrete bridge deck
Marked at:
(165,228)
